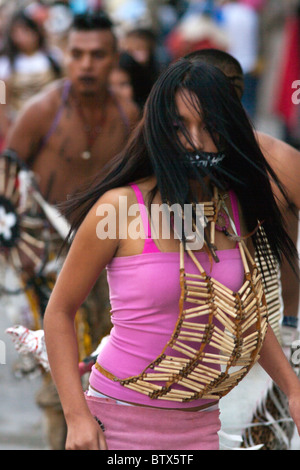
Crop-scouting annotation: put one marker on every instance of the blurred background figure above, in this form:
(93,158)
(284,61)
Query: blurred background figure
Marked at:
(121,78)
(138,49)
(197,28)
(130,80)
(27,65)
(288,79)
(141,44)
(258,5)
(57,25)
(129,13)
(240,22)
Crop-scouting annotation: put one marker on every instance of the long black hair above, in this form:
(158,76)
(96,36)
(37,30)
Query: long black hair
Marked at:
(155,149)
(10,49)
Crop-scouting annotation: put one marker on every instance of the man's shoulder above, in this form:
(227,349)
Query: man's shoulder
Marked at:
(267,142)
(46,101)
(130,108)
(285,162)
(276,149)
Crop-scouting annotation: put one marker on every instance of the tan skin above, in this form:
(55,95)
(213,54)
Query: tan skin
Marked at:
(59,167)
(283,158)
(120,84)
(285,162)
(77,278)
(25,39)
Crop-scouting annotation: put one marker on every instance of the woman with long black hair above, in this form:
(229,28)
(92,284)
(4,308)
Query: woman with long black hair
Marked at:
(27,62)
(188,307)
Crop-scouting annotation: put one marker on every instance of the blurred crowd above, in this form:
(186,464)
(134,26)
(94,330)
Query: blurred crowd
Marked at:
(33,36)
(150,35)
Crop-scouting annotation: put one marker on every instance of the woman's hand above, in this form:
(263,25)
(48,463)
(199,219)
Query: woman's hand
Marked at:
(84,433)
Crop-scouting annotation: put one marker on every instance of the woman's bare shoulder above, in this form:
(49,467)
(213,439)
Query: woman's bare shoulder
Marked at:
(119,198)
(115,197)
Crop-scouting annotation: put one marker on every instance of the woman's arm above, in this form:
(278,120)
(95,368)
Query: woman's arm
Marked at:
(87,257)
(275,363)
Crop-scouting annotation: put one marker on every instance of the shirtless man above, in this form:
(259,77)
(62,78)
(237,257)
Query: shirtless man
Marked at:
(67,134)
(285,161)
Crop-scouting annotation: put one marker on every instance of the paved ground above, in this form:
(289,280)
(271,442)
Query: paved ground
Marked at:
(21,422)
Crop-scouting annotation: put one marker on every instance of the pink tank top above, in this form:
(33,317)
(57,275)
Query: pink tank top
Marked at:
(144,296)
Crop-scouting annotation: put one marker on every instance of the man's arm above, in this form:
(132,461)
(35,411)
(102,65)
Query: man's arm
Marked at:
(25,134)
(28,130)
(290,276)
(285,162)
(4,121)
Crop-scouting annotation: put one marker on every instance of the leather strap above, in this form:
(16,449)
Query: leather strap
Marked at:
(110,376)
(105,372)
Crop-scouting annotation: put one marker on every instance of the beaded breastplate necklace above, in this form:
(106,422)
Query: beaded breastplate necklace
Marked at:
(228,339)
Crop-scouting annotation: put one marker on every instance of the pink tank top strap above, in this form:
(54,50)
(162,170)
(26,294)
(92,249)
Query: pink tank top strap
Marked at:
(150,246)
(235,210)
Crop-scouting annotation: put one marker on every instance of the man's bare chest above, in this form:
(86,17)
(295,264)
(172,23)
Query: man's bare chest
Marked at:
(74,141)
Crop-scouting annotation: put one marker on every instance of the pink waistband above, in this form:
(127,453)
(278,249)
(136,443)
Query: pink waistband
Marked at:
(142,428)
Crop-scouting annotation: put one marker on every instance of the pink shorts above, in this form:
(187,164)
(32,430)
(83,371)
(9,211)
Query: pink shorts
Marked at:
(142,428)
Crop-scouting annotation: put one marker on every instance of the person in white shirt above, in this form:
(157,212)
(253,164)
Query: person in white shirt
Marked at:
(26,65)
(241,25)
